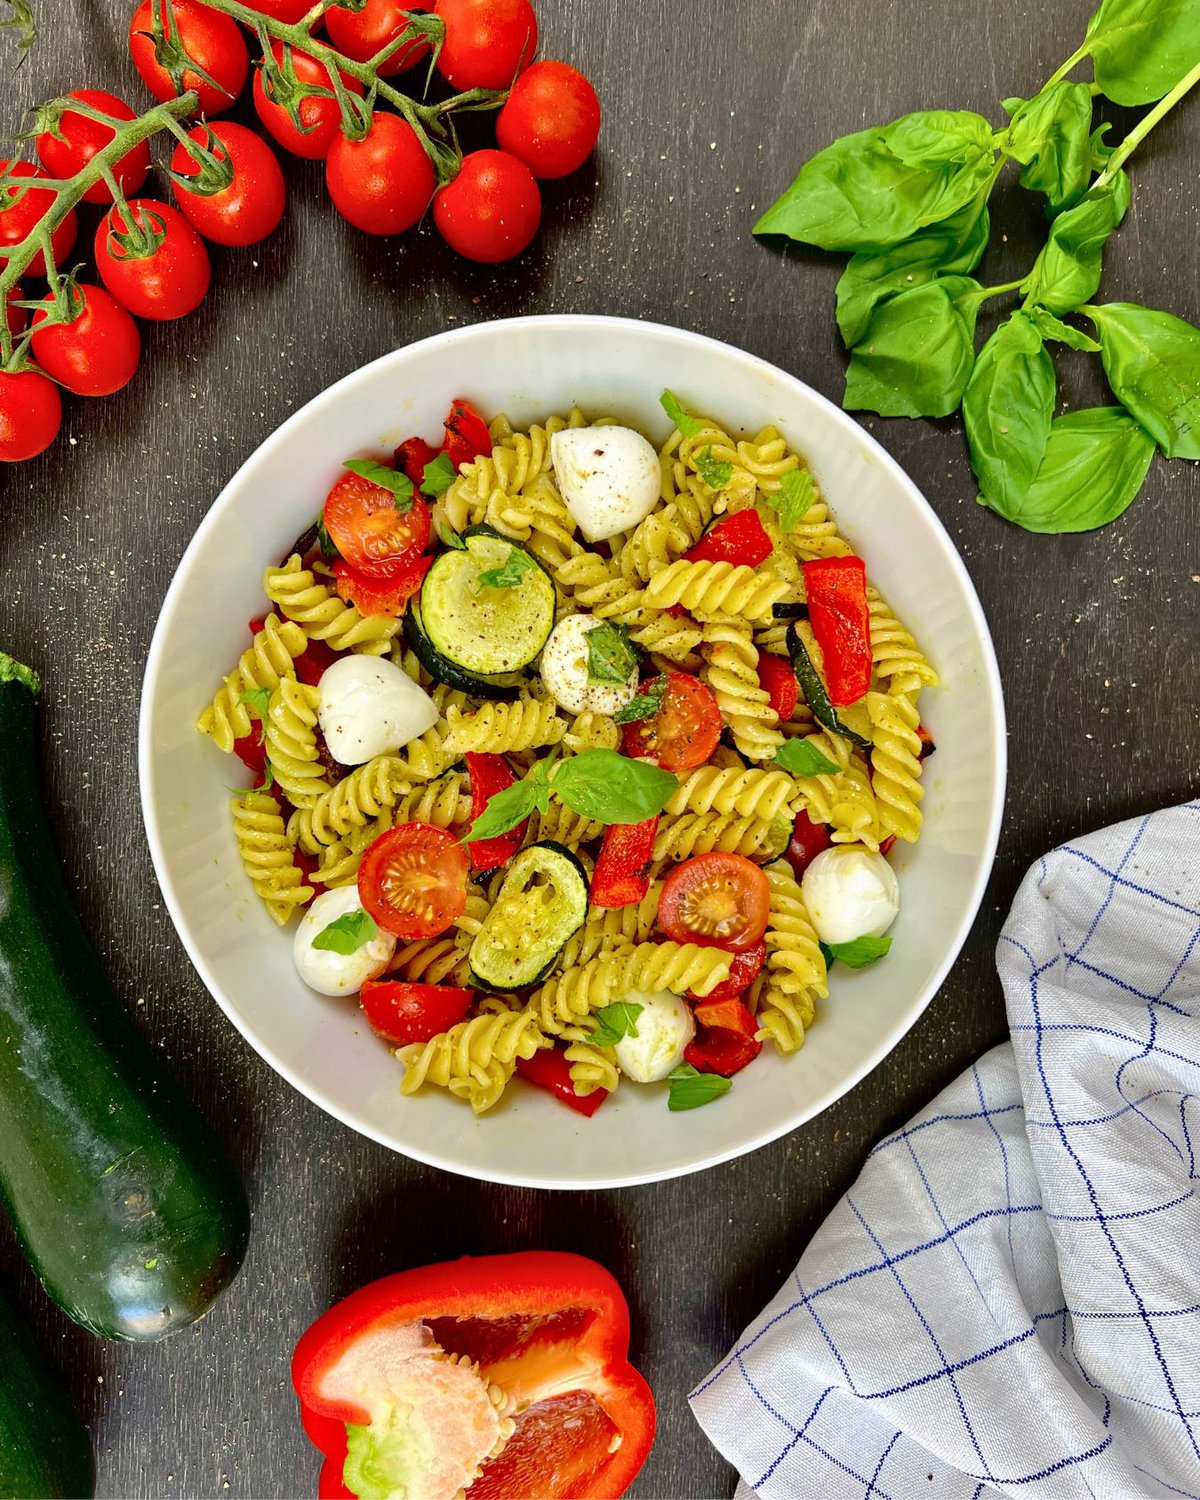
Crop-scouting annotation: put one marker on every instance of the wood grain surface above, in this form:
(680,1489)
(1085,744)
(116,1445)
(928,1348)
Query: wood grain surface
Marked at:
(710,108)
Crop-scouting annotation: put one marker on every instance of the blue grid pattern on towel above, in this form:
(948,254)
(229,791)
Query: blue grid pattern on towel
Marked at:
(1006,1301)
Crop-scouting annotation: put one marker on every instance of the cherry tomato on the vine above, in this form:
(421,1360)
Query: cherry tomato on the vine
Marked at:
(22,213)
(551,120)
(15,315)
(487,42)
(361,34)
(252,205)
(287,11)
(381,184)
(96,353)
(213,41)
(320,117)
(491,211)
(168,283)
(30,414)
(78,139)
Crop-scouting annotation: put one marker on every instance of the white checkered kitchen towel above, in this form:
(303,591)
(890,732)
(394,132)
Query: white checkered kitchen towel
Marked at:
(1008,1299)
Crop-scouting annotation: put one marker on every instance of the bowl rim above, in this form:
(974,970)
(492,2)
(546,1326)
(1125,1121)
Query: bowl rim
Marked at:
(701,343)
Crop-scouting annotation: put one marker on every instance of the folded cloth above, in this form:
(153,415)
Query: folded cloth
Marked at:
(1008,1299)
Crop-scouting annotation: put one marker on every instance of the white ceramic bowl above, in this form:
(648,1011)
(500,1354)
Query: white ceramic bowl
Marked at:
(529,367)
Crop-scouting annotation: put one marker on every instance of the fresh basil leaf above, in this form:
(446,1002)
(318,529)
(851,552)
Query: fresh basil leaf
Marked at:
(1067,272)
(690,1089)
(1050,135)
(439,475)
(645,705)
(507,808)
(612,788)
(797,491)
(714,472)
(1141,49)
(1094,466)
(449,537)
(939,137)
(614,1022)
(1007,409)
(257,700)
(347,933)
(325,541)
(1054,328)
(860,194)
(954,246)
(915,358)
(393,480)
(804,759)
(861,951)
(1152,360)
(510,573)
(611,658)
(826,954)
(685,424)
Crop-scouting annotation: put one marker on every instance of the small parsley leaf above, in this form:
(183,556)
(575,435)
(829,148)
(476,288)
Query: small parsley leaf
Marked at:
(645,705)
(615,1022)
(511,571)
(861,952)
(791,500)
(804,759)
(610,656)
(400,485)
(450,538)
(347,933)
(690,1089)
(439,475)
(714,472)
(687,426)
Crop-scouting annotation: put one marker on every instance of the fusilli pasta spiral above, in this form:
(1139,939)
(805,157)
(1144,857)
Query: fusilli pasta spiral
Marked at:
(896,763)
(316,608)
(720,589)
(699,833)
(524,724)
(266,854)
(474,1059)
(731,671)
(749,792)
(270,656)
(292,744)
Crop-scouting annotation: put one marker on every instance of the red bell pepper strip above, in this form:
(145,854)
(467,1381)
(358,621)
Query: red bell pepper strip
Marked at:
(489,774)
(549,1069)
(808,840)
(740,539)
(928,743)
(550,1330)
(383,593)
(622,875)
(778,681)
(412,455)
(467,434)
(836,588)
(744,969)
(403,1013)
(726,1041)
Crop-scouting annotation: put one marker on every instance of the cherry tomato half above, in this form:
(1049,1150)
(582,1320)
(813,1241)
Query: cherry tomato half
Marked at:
(743,971)
(684,732)
(413,880)
(364,33)
(22,214)
(168,283)
(403,1013)
(320,117)
(487,42)
(384,592)
(492,209)
(369,530)
(382,183)
(551,120)
(78,139)
(719,900)
(213,41)
(467,434)
(252,205)
(30,414)
(96,353)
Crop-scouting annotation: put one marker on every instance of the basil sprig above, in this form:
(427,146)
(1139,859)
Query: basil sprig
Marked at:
(645,705)
(611,657)
(397,483)
(690,1089)
(347,933)
(439,475)
(510,572)
(804,759)
(597,784)
(615,1022)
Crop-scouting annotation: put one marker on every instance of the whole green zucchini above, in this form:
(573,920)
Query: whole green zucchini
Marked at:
(44,1447)
(126,1204)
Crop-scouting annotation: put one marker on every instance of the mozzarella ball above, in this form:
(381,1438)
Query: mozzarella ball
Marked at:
(331,973)
(565,671)
(370,707)
(665,1027)
(850,893)
(609,477)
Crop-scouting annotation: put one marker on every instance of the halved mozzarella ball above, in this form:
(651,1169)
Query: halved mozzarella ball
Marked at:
(331,973)
(609,477)
(370,707)
(664,1028)
(565,671)
(850,893)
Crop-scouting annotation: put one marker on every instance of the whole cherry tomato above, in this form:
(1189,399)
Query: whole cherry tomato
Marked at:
(168,282)
(252,205)
(30,414)
(320,116)
(491,211)
(96,353)
(213,41)
(383,183)
(287,11)
(487,42)
(79,137)
(23,212)
(362,34)
(550,120)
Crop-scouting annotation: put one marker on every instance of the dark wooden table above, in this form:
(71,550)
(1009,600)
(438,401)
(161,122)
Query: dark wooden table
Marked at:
(710,109)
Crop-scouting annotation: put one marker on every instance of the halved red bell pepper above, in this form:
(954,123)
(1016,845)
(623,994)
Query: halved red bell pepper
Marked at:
(549,1069)
(545,1333)
(489,774)
(836,589)
(725,1043)
(777,679)
(740,539)
(622,875)
(808,839)
(383,593)
(467,434)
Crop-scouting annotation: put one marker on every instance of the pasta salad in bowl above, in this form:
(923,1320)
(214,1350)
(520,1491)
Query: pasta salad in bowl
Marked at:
(588,765)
